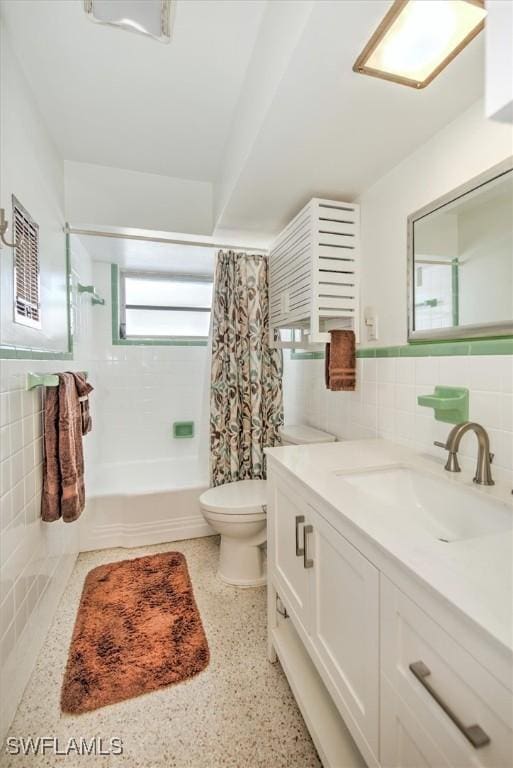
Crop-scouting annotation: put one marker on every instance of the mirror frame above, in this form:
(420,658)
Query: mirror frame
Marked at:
(483,330)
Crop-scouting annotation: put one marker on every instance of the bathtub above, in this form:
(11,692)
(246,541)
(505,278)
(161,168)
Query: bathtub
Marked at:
(146,502)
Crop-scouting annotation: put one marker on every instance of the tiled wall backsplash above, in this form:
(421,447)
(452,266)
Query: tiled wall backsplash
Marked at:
(36,558)
(385,402)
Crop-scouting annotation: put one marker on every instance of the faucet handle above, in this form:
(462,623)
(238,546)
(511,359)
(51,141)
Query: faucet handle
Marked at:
(452,464)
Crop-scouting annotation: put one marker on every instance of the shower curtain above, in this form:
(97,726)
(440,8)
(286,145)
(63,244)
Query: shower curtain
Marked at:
(246,403)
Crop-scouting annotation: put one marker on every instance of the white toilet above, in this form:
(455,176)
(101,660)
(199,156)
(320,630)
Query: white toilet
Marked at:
(237,511)
(300,434)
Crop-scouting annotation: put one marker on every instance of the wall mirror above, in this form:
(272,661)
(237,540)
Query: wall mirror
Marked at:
(460,261)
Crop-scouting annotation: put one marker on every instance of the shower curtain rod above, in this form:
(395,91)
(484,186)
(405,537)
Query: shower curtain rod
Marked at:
(198,243)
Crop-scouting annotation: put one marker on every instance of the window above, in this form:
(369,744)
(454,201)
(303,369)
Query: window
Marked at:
(168,306)
(27,307)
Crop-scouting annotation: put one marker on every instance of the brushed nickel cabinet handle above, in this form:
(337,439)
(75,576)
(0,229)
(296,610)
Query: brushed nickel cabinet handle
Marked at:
(474,733)
(307,562)
(299,550)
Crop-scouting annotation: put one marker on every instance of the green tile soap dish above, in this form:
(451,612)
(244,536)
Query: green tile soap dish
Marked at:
(450,404)
(183,429)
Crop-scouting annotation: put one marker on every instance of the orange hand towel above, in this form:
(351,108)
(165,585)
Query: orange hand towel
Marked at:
(340,362)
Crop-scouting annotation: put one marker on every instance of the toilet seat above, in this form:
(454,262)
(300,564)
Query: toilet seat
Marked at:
(242,497)
(234,517)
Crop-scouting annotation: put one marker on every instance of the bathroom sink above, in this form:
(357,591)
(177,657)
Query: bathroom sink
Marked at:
(437,508)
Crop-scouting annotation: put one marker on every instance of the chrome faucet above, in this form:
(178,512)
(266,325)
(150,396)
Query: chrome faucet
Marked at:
(483,474)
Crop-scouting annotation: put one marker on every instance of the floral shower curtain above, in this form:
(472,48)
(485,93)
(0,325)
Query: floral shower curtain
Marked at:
(246,404)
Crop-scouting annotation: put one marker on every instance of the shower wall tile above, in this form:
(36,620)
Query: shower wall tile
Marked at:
(142,390)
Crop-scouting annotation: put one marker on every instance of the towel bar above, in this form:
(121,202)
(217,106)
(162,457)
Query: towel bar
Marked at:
(43,380)
(95,298)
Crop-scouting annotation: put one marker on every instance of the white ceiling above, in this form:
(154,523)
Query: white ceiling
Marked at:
(120,99)
(332,133)
(256,97)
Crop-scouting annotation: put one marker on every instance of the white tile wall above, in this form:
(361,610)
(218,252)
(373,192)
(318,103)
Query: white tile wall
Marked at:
(142,390)
(36,558)
(385,403)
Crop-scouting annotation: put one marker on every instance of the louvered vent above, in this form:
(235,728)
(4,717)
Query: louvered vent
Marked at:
(314,272)
(27,306)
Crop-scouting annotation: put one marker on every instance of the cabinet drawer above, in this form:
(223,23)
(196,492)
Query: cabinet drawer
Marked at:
(446,689)
(404,741)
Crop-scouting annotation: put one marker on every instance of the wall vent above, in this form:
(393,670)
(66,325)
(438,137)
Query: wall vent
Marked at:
(27,305)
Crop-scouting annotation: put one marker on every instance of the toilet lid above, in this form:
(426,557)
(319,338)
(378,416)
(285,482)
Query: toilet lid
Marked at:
(239,498)
(301,434)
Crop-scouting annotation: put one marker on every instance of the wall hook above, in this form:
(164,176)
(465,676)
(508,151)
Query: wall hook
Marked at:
(3,229)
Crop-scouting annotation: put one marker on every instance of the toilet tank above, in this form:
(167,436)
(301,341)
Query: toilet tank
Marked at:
(300,434)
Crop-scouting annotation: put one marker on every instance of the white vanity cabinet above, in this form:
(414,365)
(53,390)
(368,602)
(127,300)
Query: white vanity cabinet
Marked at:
(374,659)
(331,593)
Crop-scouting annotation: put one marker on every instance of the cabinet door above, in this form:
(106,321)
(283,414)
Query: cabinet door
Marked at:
(287,519)
(345,626)
(404,741)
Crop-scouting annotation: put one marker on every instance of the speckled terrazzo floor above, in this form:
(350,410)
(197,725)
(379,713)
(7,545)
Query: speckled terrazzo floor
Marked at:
(238,713)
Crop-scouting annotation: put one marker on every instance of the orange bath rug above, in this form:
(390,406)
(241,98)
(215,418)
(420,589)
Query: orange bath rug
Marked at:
(138,629)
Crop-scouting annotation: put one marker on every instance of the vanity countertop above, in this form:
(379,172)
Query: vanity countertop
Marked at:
(475,575)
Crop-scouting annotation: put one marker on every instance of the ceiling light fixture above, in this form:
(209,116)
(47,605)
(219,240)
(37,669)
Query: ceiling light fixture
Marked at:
(147,17)
(418,38)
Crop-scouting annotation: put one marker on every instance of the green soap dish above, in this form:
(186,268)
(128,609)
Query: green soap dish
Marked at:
(450,404)
(183,429)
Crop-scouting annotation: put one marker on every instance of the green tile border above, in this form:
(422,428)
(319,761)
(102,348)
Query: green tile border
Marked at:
(492,346)
(15,352)
(8,352)
(496,346)
(435,349)
(386,352)
(299,355)
(117,341)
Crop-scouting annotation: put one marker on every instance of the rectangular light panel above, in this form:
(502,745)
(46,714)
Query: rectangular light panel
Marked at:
(418,38)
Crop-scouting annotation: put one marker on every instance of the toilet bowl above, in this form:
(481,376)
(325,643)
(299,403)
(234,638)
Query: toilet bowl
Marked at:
(237,512)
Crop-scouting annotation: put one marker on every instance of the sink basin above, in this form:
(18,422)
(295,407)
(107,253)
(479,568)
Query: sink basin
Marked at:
(441,510)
